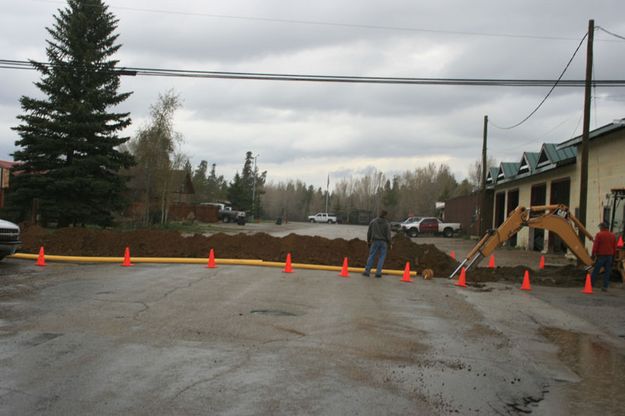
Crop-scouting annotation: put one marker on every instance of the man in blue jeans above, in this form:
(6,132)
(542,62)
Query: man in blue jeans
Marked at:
(379,241)
(603,251)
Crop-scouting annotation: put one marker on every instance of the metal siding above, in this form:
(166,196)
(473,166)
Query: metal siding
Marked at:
(463,209)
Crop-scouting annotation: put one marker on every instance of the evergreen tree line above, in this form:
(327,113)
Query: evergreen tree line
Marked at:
(244,192)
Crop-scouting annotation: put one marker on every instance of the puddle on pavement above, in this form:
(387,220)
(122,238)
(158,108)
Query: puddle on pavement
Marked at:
(600,367)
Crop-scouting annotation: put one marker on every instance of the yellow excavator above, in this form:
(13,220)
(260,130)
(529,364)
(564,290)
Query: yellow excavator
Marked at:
(555,218)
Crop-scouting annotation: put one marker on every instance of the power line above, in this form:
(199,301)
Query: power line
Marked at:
(538,139)
(548,94)
(581,116)
(325,23)
(259,76)
(611,33)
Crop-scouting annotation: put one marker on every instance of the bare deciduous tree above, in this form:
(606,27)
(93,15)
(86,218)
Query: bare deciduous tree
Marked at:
(475,172)
(156,148)
(411,193)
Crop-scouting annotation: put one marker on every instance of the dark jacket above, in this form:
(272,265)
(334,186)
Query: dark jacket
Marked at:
(379,229)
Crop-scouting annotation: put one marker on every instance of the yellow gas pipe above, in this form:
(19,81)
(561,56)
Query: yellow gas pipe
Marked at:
(183,260)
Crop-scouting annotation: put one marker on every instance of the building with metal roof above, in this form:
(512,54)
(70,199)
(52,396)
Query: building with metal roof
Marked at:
(552,176)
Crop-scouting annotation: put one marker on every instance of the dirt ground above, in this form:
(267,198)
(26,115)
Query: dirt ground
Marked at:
(262,246)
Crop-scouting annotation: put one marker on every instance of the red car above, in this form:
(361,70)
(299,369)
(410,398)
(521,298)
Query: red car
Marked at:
(431,225)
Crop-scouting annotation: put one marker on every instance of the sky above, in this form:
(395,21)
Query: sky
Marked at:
(307,130)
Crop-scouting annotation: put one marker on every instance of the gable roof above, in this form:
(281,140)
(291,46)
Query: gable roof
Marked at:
(551,156)
(507,170)
(528,163)
(491,176)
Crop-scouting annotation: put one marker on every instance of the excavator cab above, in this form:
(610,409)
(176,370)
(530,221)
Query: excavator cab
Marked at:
(614,211)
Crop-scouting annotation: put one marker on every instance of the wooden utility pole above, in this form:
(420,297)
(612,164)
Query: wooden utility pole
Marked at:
(583,181)
(483,202)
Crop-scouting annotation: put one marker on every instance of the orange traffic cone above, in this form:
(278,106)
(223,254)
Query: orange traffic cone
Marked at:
(211,260)
(406,277)
(526,281)
(462,280)
(344,270)
(620,242)
(452,254)
(287,267)
(127,262)
(491,262)
(41,259)
(588,286)
(541,264)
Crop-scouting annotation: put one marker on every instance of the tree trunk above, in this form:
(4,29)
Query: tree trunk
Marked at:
(146,214)
(164,201)
(164,192)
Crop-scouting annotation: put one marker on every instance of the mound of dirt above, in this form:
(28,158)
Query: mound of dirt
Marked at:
(262,246)
(550,276)
(163,243)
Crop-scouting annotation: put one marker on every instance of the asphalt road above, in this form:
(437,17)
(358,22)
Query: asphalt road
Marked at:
(87,339)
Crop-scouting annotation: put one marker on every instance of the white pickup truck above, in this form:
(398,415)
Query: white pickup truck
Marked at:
(431,225)
(323,217)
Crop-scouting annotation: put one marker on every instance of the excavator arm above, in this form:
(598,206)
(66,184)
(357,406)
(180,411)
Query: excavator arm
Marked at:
(555,218)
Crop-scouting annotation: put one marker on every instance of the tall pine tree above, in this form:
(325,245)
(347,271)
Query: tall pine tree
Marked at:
(247,185)
(68,154)
(217,185)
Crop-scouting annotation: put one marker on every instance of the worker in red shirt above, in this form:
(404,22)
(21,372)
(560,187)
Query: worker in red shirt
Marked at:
(603,251)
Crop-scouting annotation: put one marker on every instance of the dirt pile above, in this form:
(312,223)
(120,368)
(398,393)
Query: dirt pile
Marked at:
(262,246)
(163,243)
(550,276)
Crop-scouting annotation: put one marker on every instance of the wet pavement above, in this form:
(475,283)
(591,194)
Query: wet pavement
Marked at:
(601,372)
(183,339)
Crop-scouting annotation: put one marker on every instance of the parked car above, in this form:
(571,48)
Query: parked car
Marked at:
(431,225)
(9,238)
(397,226)
(323,217)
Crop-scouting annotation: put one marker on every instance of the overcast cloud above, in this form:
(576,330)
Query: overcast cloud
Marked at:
(309,130)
